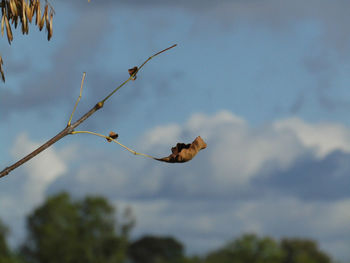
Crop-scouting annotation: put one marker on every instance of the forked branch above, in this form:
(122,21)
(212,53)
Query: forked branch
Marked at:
(70,127)
(180,153)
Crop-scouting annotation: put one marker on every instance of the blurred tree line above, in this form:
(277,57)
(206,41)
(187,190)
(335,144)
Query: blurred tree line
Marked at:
(63,230)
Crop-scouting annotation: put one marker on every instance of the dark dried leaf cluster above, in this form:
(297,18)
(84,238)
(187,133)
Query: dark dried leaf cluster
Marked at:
(184,152)
(112,135)
(22,12)
(132,72)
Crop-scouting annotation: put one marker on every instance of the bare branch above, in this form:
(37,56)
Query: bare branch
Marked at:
(76,103)
(110,139)
(70,128)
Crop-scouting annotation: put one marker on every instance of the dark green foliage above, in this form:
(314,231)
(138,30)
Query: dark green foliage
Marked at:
(151,249)
(5,255)
(63,231)
(252,249)
(303,251)
(248,248)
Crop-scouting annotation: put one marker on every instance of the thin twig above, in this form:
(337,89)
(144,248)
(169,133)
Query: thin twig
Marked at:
(109,138)
(70,128)
(76,103)
(134,74)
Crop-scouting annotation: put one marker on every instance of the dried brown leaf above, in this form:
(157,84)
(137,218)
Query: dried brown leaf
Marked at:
(43,19)
(32,8)
(112,135)
(13,7)
(8,30)
(29,12)
(24,18)
(15,20)
(1,70)
(46,11)
(2,25)
(49,27)
(47,20)
(41,23)
(184,152)
(38,13)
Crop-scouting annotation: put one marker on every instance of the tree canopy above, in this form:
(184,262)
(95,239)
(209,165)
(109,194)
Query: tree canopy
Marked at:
(248,248)
(63,230)
(152,249)
(303,251)
(4,249)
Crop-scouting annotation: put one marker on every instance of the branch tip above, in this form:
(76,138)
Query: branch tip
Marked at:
(76,103)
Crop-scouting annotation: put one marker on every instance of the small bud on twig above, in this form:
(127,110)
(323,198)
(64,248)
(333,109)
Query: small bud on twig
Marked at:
(112,135)
(133,71)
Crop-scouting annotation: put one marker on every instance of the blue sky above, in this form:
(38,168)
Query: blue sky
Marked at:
(265,83)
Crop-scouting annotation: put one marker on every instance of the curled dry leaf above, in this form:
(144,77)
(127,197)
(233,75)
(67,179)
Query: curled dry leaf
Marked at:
(133,71)
(112,135)
(184,152)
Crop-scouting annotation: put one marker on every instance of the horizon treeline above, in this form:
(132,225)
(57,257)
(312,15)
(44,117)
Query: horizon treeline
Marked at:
(63,230)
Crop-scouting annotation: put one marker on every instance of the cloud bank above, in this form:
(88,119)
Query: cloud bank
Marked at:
(286,178)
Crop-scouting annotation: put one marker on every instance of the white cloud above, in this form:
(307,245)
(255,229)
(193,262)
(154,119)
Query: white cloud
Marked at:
(162,135)
(236,152)
(42,170)
(323,138)
(226,190)
(213,197)
(25,187)
(205,224)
